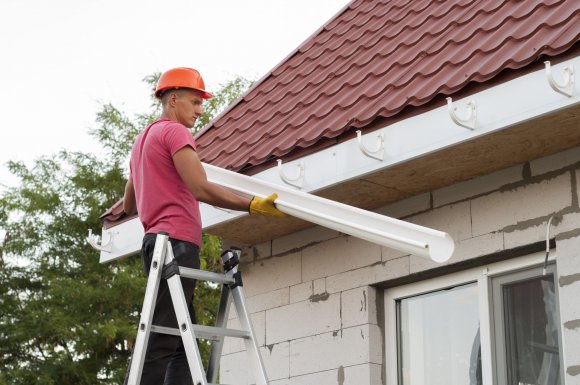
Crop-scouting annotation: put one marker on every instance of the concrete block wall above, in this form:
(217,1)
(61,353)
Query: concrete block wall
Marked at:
(568,266)
(317,314)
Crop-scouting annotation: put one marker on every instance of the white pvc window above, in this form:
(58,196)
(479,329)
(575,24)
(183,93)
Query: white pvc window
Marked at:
(527,328)
(497,324)
(439,337)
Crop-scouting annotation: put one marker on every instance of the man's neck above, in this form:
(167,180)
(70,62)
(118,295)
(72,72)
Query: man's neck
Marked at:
(166,115)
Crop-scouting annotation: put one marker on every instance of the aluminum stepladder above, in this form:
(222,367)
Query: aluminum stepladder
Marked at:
(164,266)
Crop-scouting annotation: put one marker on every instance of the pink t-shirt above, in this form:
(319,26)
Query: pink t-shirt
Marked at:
(163,201)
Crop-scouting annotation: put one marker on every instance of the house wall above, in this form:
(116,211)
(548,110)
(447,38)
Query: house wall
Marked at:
(313,296)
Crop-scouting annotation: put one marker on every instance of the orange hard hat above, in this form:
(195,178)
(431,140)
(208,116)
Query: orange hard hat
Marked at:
(181,77)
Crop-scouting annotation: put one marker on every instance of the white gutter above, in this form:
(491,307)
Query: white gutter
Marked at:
(125,238)
(525,98)
(380,229)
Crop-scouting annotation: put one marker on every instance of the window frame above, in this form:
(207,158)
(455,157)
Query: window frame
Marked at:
(482,276)
(497,315)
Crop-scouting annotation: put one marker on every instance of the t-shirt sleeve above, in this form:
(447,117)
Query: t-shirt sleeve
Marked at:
(176,136)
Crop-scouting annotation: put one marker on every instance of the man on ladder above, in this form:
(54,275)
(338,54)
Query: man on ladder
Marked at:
(165,186)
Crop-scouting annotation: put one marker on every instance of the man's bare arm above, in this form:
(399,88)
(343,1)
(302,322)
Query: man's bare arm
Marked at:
(191,171)
(129,204)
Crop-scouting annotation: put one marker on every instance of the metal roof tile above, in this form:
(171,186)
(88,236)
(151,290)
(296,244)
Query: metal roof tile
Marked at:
(374,59)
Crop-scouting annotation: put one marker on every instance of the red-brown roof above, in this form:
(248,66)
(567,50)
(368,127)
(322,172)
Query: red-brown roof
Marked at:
(375,58)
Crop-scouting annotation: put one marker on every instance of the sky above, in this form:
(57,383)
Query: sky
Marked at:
(62,59)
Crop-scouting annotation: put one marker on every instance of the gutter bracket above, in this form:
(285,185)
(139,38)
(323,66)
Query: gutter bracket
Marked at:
(468,122)
(93,239)
(566,89)
(379,153)
(298,181)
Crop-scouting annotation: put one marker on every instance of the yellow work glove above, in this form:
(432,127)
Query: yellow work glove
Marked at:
(266,206)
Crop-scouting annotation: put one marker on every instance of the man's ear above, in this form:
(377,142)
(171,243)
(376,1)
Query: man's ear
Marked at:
(172,98)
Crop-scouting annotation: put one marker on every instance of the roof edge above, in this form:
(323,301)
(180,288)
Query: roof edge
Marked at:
(518,100)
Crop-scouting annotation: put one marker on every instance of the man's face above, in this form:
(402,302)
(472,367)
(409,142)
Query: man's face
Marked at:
(188,107)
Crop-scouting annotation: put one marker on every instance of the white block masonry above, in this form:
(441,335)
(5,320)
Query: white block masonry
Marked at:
(359,306)
(319,287)
(303,319)
(568,267)
(369,275)
(555,162)
(368,374)
(480,245)
(388,254)
(477,186)
(338,255)
(454,219)
(351,346)
(406,207)
(276,273)
(236,368)
(312,296)
(535,231)
(268,300)
(498,210)
(301,292)
(577,188)
(233,345)
(301,239)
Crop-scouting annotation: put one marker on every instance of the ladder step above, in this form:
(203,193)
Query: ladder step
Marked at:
(205,275)
(205,332)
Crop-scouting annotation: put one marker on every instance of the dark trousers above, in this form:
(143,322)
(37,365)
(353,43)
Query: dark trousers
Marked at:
(165,359)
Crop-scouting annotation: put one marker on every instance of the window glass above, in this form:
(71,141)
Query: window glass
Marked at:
(439,338)
(531,331)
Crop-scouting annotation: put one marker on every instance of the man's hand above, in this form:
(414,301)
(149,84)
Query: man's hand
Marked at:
(266,206)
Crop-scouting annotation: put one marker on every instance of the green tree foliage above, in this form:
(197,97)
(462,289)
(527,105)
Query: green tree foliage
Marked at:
(65,318)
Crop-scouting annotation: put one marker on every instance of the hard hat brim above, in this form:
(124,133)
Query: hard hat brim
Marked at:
(204,94)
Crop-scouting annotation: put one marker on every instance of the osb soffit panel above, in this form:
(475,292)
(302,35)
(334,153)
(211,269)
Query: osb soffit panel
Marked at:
(530,140)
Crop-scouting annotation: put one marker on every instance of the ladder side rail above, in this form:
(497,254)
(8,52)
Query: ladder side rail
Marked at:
(184,325)
(144,329)
(217,345)
(251,343)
